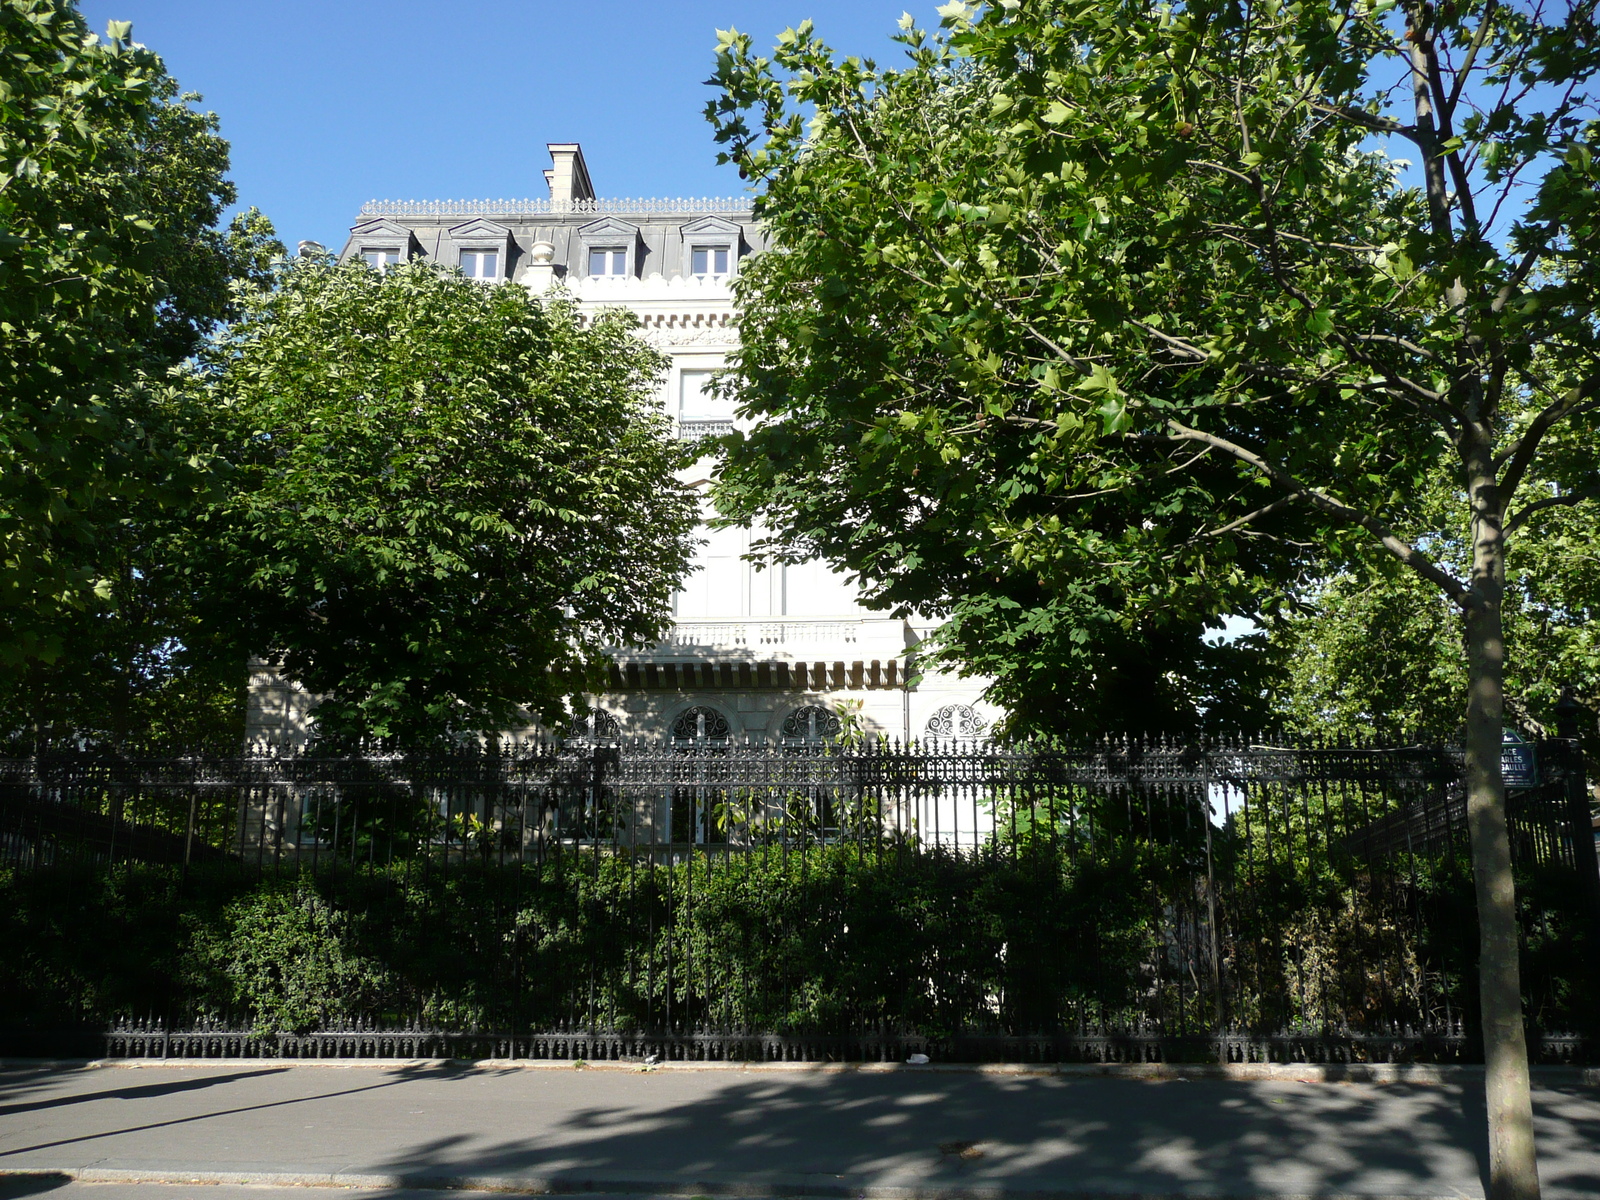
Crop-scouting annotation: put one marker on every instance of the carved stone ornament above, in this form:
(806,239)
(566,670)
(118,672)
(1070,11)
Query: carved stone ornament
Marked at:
(705,336)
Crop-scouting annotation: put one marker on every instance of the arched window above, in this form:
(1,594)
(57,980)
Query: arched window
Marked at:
(956,721)
(596,725)
(810,724)
(700,811)
(810,809)
(701,724)
(587,808)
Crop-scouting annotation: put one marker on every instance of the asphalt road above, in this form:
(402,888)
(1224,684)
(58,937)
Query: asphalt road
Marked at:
(684,1132)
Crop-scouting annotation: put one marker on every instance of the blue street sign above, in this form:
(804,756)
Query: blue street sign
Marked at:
(1519,762)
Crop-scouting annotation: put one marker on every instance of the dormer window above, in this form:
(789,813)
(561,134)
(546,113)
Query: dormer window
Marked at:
(709,262)
(710,249)
(480,264)
(610,249)
(482,249)
(381,244)
(608,261)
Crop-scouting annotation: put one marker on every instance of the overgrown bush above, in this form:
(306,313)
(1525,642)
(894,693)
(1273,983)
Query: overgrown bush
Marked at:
(827,940)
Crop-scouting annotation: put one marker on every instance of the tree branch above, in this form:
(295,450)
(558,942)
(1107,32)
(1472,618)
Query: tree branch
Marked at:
(1566,500)
(1264,510)
(1359,116)
(1464,71)
(1519,455)
(1519,273)
(1402,550)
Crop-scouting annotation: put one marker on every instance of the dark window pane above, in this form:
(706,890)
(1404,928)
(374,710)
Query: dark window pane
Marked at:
(597,262)
(699,266)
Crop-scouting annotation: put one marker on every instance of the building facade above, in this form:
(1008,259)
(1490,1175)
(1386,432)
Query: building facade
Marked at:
(766,653)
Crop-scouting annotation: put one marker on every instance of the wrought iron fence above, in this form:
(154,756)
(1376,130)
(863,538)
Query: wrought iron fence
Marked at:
(827,898)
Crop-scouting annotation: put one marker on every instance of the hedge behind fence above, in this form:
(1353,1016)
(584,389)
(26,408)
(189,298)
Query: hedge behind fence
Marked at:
(826,941)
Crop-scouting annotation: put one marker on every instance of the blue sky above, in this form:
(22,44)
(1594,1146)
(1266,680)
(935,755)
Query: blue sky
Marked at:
(330,104)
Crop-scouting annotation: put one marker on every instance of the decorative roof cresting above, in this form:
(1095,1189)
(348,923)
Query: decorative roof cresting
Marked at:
(508,208)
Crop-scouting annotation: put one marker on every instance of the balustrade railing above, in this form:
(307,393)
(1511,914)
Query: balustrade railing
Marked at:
(543,207)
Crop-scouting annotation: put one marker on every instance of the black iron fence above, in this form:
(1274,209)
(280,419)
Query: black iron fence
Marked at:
(710,899)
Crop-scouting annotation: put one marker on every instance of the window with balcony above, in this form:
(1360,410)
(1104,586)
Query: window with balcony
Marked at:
(701,412)
(480,264)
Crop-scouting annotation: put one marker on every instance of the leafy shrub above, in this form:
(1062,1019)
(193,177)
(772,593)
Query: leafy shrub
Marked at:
(830,941)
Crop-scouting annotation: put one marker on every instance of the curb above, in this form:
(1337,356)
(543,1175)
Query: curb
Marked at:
(630,1184)
(1415,1073)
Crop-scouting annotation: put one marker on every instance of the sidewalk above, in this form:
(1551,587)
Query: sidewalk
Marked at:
(899,1135)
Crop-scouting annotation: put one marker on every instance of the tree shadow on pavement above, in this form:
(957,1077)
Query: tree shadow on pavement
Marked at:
(839,1132)
(390,1079)
(14,1187)
(135,1092)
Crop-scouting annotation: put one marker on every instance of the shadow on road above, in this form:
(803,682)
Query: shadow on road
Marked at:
(838,1132)
(13,1187)
(136,1093)
(394,1079)
(815,1133)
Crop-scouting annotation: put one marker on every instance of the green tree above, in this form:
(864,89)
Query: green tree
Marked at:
(144,668)
(913,441)
(1375,651)
(112,269)
(1152,266)
(447,499)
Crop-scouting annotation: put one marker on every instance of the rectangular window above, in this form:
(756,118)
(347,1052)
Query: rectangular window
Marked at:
(696,402)
(610,261)
(708,261)
(480,264)
(380,257)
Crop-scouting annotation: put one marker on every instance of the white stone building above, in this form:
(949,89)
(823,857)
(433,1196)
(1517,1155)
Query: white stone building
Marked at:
(758,653)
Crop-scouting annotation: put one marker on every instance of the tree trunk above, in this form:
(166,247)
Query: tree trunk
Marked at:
(1513,1168)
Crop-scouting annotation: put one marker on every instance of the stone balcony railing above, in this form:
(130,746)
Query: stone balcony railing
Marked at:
(690,428)
(801,653)
(782,638)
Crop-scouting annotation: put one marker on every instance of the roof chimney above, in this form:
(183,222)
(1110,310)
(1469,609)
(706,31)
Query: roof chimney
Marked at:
(569,176)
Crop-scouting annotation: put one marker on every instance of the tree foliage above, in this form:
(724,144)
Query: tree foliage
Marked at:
(112,269)
(1154,272)
(447,499)
(990,262)
(912,428)
(1373,651)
